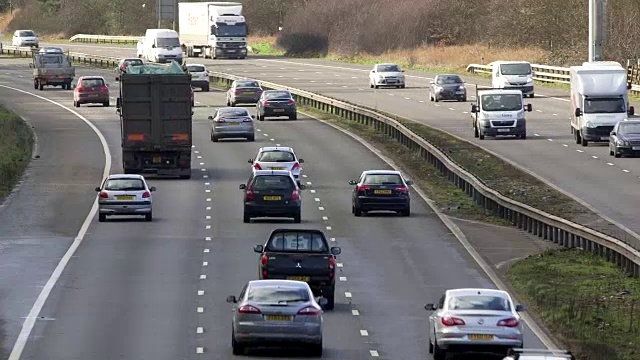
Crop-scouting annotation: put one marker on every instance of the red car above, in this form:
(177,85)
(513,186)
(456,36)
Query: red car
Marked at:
(91,90)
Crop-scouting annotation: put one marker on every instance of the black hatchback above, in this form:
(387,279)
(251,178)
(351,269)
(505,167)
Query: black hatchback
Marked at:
(274,103)
(380,190)
(272,193)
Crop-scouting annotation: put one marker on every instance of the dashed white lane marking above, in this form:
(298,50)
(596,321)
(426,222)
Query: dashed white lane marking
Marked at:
(296,79)
(452,109)
(593,156)
(203,170)
(536,134)
(625,170)
(344,86)
(312,191)
(436,104)
(421,101)
(554,114)
(203,277)
(208,227)
(259,129)
(199,350)
(272,139)
(332,239)
(325,218)
(207,190)
(201,164)
(304,176)
(354,77)
(313,81)
(610,164)
(265,134)
(355,312)
(199,157)
(308,182)
(320,208)
(364,333)
(279,76)
(206,250)
(347,294)
(391,94)
(208,208)
(565,145)
(406,98)
(339,265)
(200,292)
(361,89)
(343,278)
(328,228)
(208,217)
(277,144)
(207,184)
(199,330)
(550,139)
(205,176)
(317,72)
(538,110)
(208,238)
(200,309)
(579,151)
(317,199)
(465,112)
(374,353)
(329,84)
(205,263)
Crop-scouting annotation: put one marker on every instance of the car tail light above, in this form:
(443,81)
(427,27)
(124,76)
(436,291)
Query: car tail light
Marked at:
(363,188)
(248,309)
(264,261)
(332,267)
(295,166)
(146,195)
(309,310)
(510,322)
(295,195)
(265,103)
(80,89)
(291,102)
(238,92)
(249,194)
(123,67)
(257,166)
(402,189)
(104,88)
(452,321)
(247,120)
(104,195)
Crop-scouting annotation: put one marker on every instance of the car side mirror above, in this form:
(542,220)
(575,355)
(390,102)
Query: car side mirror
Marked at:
(529,107)
(430,307)
(373,71)
(31,66)
(242,186)
(612,133)
(253,117)
(210,118)
(474,108)
(107,84)
(301,161)
(302,186)
(323,302)
(578,112)
(336,250)
(153,188)
(402,71)
(232,299)
(520,308)
(352,182)
(250,161)
(431,82)
(632,110)
(409,182)
(98,189)
(258,249)
(153,46)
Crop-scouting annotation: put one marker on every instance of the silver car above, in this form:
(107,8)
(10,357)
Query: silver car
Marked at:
(122,194)
(278,158)
(447,87)
(276,313)
(474,320)
(244,92)
(539,354)
(231,122)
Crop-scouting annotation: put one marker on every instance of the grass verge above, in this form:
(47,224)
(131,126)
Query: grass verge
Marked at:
(16,144)
(579,297)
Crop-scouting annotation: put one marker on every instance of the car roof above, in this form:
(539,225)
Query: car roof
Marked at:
(232,108)
(630,122)
(269,283)
(298,230)
(125,176)
(276,148)
(90,77)
(381,172)
(275,91)
(196,65)
(499,91)
(272,172)
(500,62)
(387,64)
(477,291)
(130,58)
(446,75)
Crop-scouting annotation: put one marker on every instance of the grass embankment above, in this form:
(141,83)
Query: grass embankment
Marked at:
(16,144)
(579,297)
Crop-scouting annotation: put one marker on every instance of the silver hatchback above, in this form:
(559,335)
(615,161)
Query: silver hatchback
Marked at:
(122,194)
(232,122)
(276,313)
(474,321)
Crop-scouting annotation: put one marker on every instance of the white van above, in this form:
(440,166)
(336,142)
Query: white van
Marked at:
(499,112)
(160,46)
(512,75)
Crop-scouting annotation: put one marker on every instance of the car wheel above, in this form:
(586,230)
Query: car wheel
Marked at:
(430,346)
(371,85)
(330,295)
(611,153)
(617,154)
(531,95)
(297,218)
(211,136)
(464,99)
(357,211)
(35,84)
(40,86)
(102,217)
(236,347)
(402,86)
(438,354)
(232,103)
(523,136)
(205,89)
(105,104)
(246,218)
(148,217)
(480,135)
(214,138)
(251,138)
(406,212)
(316,350)
(375,86)
(228,102)
(436,98)
(293,117)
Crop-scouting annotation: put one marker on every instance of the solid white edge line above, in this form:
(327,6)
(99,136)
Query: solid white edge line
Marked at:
(455,230)
(30,321)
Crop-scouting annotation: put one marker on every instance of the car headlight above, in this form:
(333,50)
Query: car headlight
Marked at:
(437,88)
(589,124)
(461,87)
(529,80)
(623,143)
(380,76)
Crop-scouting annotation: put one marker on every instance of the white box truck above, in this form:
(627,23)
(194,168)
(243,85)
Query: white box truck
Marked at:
(598,100)
(213,29)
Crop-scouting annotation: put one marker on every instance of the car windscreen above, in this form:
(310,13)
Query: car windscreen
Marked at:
(502,102)
(446,80)
(167,42)
(277,294)
(26,33)
(247,84)
(515,69)
(604,106)
(382,179)
(195,68)
(633,128)
(293,241)
(276,156)
(272,95)
(388,68)
(133,62)
(231,113)
(124,184)
(50,59)
(92,82)
(479,302)
(272,182)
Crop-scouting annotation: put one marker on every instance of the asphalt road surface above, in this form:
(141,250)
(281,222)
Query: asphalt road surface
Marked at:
(137,290)
(603,182)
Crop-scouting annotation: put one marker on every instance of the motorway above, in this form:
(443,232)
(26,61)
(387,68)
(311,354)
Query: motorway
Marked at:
(550,152)
(136,290)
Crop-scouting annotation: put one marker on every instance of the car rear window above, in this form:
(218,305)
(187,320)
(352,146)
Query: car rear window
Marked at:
(49,58)
(91,82)
(277,95)
(133,62)
(243,84)
(272,182)
(195,68)
(297,241)
(276,294)
(276,156)
(383,179)
(233,113)
(124,184)
(479,302)
(26,33)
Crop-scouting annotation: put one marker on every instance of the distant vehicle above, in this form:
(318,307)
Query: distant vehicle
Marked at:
(447,87)
(25,38)
(539,354)
(274,103)
(160,46)
(51,50)
(199,76)
(272,193)
(52,69)
(277,158)
(91,90)
(598,100)
(386,75)
(231,122)
(276,312)
(380,190)
(625,139)
(122,194)
(300,254)
(513,75)
(244,92)
(122,66)
(499,112)
(474,320)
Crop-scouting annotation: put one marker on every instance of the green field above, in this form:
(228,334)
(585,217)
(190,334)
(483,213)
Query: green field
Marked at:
(16,144)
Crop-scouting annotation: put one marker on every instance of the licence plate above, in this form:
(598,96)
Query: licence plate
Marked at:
(604,138)
(299,278)
(234,124)
(278,317)
(157,159)
(272,198)
(382,192)
(249,92)
(635,148)
(278,110)
(504,130)
(278,168)
(125,197)
(480,337)
(232,51)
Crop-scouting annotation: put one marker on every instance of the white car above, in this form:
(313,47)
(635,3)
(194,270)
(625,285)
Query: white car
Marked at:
(277,158)
(25,38)
(386,75)
(199,76)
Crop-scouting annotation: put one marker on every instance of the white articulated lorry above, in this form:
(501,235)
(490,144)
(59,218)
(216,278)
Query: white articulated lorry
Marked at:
(598,100)
(213,29)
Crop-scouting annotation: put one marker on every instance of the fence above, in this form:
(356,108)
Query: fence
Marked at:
(104,39)
(77,58)
(525,217)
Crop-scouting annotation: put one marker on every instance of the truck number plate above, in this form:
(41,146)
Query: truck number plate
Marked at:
(504,130)
(635,148)
(604,138)
(157,159)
